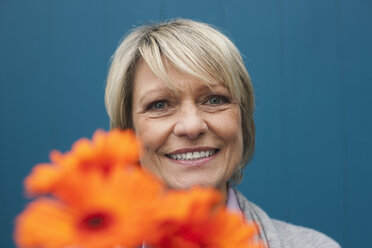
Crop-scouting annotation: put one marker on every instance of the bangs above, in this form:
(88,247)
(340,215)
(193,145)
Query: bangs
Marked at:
(188,52)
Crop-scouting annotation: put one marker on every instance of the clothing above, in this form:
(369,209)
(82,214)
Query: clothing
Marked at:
(279,234)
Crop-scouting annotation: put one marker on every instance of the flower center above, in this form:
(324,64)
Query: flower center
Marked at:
(96,221)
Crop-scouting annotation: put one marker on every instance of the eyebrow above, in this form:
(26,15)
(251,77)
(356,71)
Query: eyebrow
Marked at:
(165,90)
(161,91)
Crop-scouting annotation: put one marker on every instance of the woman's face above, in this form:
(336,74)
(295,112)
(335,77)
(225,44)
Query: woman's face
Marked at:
(192,137)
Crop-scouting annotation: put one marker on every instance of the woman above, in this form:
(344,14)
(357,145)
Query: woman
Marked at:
(184,89)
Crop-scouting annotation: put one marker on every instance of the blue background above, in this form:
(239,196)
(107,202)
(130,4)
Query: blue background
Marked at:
(310,62)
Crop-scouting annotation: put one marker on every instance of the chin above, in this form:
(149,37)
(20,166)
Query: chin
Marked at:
(187,184)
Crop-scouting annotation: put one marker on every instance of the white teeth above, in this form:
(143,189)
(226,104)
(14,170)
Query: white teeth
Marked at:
(196,155)
(189,156)
(192,155)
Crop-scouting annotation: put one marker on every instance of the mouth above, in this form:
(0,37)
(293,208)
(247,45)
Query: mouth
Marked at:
(192,155)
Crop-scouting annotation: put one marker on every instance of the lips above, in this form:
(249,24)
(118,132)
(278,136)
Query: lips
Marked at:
(192,155)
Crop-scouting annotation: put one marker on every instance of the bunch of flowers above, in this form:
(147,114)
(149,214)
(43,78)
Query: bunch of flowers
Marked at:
(98,196)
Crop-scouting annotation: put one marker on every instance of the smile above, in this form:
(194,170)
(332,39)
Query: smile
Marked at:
(192,155)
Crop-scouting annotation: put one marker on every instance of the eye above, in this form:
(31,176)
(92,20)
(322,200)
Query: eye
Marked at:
(157,105)
(216,100)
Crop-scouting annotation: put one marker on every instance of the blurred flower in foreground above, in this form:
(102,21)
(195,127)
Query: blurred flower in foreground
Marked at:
(97,196)
(97,212)
(103,153)
(198,220)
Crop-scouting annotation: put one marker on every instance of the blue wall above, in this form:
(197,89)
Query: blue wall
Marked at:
(310,62)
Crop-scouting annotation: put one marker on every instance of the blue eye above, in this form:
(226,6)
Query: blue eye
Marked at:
(216,100)
(158,105)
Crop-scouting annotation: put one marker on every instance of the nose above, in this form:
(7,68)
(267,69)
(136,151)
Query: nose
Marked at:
(190,122)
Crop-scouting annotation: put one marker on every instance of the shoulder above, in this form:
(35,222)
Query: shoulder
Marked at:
(279,234)
(297,236)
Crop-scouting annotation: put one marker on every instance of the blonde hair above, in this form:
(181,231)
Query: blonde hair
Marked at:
(191,48)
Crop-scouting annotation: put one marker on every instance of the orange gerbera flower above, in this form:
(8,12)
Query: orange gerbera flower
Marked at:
(95,212)
(105,151)
(197,219)
(196,202)
(42,180)
(179,206)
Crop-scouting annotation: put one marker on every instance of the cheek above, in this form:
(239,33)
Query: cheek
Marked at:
(228,126)
(234,135)
(152,133)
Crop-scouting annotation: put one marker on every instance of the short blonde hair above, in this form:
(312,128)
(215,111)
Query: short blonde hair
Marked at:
(192,48)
